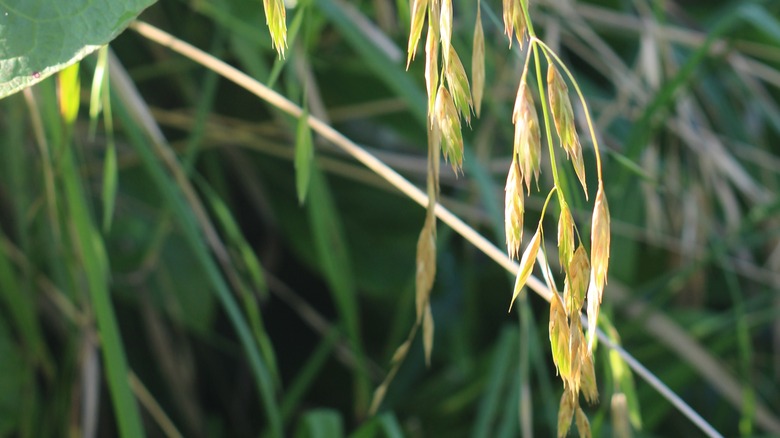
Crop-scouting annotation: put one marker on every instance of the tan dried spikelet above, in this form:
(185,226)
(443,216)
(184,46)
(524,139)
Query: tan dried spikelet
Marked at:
(588,377)
(431,67)
(527,140)
(600,240)
(449,123)
(621,424)
(518,16)
(563,117)
(276,19)
(576,282)
(478,64)
(599,261)
(565,237)
(513,211)
(427,327)
(575,352)
(526,264)
(418,11)
(559,337)
(583,425)
(458,83)
(594,306)
(566,412)
(509,15)
(426,265)
(445,28)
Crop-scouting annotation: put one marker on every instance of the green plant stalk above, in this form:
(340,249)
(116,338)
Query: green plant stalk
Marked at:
(88,248)
(194,238)
(89,245)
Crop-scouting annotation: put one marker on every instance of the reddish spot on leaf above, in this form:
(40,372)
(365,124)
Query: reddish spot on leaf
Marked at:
(36,74)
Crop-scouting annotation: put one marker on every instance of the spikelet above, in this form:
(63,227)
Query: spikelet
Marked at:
(478,64)
(509,17)
(513,211)
(458,83)
(621,425)
(276,19)
(527,264)
(576,282)
(559,337)
(599,236)
(418,10)
(514,20)
(445,28)
(583,425)
(427,327)
(426,264)
(575,353)
(599,261)
(518,18)
(449,123)
(566,412)
(565,237)
(431,69)
(588,377)
(527,140)
(563,116)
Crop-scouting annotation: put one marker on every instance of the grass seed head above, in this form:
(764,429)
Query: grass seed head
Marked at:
(599,261)
(419,8)
(576,282)
(449,123)
(600,240)
(513,211)
(559,337)
(527,140)
(518,17)
(563,118)
(575,353)
(588,376)
(445,27)
(566,412)
(478,64)
(565,237)
(594,306)
(431,68)
(583,425)
(509,15)
(276,19)
(527,264)
(458,83)
(621,423)
(426,265)
(427,327)
(514,20)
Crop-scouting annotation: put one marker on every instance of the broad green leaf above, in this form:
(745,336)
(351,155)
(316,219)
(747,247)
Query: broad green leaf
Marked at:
(41,37)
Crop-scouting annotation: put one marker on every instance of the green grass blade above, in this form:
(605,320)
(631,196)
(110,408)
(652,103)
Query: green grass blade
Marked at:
(194,238)
(332,252)
(503,358)
(304,154)
(321,423)
(94,260)
(297,388)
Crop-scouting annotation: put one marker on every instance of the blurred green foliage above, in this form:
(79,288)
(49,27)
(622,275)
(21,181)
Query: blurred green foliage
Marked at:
(237,311)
